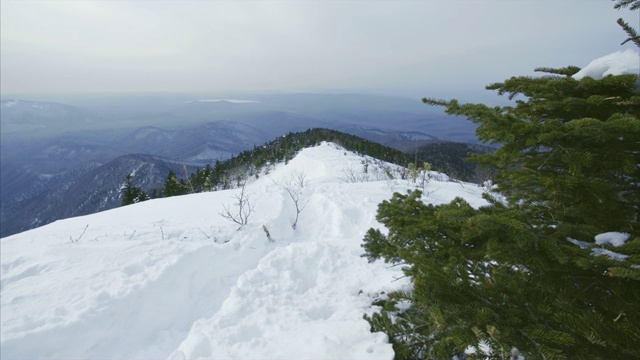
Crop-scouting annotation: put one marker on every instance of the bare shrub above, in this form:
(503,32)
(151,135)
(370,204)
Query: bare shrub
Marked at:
(244,208)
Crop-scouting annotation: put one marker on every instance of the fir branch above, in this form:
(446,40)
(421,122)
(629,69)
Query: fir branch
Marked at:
(568,71)
(633,35)
(396,264)
(435,102)
(635,4)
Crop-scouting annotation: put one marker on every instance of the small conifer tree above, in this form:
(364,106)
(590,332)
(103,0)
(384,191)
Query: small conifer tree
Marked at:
(132,194)
(173,186)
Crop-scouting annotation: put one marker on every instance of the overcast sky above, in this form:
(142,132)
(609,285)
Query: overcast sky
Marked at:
(408,48)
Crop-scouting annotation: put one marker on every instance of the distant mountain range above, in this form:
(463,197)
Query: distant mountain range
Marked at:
(85,191)
(50,152)
(39,118)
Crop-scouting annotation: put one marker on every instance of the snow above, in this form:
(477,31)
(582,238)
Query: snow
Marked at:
(613,238)
(612,254)
(609,238)
(618,63)
(171,278)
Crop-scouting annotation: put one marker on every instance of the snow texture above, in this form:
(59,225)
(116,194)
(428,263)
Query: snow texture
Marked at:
(613,238)
(618,63)
(170,278)
(609,238)
(612,254)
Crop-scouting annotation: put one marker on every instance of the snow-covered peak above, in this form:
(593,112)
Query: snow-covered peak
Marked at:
(172,278)
(618,63)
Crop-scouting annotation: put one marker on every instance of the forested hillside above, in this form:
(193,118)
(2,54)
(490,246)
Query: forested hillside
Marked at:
(452,158)
(233,172)
(446,157)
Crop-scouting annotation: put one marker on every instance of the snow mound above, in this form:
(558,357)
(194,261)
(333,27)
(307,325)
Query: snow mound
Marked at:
(171,278)
(612,238)
(618,63)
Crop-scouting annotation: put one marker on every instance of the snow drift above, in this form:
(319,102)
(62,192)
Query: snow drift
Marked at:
(618,63)
(171,278)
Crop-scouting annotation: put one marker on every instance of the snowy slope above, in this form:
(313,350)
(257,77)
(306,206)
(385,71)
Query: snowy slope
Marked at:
(171,278)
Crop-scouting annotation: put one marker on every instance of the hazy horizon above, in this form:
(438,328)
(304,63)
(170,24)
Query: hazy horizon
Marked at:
(406,48)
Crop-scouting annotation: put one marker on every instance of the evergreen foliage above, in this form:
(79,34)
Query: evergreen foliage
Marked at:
(489,276)
(451,158)
(568,151)
(132,194)
(510,275)
(621,4)
(631,32)
(233,172)
(174,186)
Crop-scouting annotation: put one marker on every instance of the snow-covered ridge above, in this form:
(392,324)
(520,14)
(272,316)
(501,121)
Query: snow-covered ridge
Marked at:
(171,278)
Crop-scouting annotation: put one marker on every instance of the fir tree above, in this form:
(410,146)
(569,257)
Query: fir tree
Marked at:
(511,275)
(173,186)
(569,152)
(130,193)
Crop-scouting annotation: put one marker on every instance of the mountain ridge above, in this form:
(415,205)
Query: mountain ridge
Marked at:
(222,292)
(95,190)
(78,196)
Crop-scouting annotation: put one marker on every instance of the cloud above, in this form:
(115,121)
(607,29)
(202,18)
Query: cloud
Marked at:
(424,46)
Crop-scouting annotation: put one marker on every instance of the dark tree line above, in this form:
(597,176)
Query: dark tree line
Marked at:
(232,173)
(452,158)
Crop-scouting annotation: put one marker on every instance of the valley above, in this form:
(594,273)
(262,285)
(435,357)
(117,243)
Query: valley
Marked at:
(61,160)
